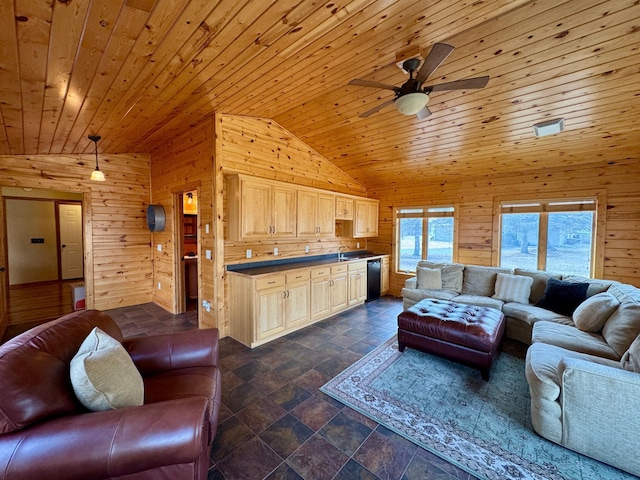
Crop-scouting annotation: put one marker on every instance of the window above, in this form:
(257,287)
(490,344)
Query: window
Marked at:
(424,234)
(555,236)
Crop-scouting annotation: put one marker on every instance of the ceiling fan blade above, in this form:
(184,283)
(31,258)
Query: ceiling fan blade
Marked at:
(368,83)
(376,109)
(477,82)
(424,113)
(437,55)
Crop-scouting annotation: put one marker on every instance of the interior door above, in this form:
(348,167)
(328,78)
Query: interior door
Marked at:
(71,253)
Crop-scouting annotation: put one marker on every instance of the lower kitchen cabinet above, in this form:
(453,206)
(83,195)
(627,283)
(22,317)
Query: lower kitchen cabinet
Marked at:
(265,307)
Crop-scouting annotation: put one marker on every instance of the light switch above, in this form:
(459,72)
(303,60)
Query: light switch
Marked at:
(206,228)
(275,251)
(159,247)
(248,253)
(207,254)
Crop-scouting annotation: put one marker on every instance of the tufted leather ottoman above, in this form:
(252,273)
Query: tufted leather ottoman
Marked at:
(465,333)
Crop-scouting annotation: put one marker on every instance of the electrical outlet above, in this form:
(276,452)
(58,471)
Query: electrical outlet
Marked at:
(275,250)
(206,228)
(159,247)
(159,286)
(248,253)
(206,305)
(306,249)
(357,244)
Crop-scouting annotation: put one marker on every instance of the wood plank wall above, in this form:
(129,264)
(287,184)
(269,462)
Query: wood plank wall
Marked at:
(618,179)
(118,269)
(181,164)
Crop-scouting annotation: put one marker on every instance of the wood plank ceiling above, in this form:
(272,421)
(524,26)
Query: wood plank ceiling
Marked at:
(139,71)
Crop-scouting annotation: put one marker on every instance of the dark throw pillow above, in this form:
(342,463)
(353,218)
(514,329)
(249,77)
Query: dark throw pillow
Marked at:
(563,297)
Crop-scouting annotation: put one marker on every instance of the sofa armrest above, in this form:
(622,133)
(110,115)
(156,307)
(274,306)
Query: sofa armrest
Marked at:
(600,412)
(411,282)
(108,444)
(193,348)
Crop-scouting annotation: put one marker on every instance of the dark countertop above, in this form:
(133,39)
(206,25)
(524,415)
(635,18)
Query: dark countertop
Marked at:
(306,263)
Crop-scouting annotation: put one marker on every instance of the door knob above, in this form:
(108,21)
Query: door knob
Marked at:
(1,269)
(63,245)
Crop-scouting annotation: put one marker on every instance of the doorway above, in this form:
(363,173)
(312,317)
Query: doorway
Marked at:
(187,265)
(42,236)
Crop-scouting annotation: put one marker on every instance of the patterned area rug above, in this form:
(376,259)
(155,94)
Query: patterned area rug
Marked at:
(483,427)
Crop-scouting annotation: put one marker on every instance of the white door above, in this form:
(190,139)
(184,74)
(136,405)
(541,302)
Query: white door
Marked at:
(71,254)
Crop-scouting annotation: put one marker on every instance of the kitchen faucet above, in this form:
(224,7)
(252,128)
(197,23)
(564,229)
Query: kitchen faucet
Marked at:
(340,254)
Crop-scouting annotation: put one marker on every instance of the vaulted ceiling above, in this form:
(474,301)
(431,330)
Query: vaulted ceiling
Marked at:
(139,71)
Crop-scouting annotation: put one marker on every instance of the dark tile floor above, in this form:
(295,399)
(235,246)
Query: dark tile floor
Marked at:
(276,424)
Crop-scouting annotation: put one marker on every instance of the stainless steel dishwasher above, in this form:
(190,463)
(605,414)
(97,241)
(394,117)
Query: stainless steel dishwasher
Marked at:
(373,279)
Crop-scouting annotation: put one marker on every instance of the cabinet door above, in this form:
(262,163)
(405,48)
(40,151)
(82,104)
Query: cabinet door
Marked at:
(325,216)
(366,219)
(320,297)
(307,211)
(284,212)
(357,286)
(270,318)
(344,208)
(339,289)
(256,210)
(384,276)
(297,304)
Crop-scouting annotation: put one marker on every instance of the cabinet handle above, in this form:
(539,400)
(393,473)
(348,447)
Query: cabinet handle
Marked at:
(274,229)
(272,281)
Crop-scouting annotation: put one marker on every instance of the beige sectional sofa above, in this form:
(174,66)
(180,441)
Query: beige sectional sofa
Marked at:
(583,361)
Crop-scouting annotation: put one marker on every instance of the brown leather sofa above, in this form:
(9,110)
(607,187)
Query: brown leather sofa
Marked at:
(46,433)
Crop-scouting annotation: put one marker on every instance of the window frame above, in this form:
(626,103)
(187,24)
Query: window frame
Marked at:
(399,214)
(524,203)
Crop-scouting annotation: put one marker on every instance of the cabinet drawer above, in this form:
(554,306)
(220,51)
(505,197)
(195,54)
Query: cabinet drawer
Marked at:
(357,266)
(338,268)
(320,272)
(297,276)
(270,281)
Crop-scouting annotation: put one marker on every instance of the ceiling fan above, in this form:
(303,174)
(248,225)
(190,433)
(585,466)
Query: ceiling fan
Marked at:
(412,98)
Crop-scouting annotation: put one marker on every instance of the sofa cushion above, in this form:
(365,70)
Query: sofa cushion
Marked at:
(563,297)
(591,315)
(623,326)
(540,278)
(571,338)
(513,288)
(531,314)
(479,301)
(631,358)
(417,294)
(428,278)
(103,375)
(451,274)
(596,285)
(481,280)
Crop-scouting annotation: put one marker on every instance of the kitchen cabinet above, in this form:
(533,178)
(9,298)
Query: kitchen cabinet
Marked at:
(316,214)
(357,283)
(366,218)
(344,208)
(328,290)
(384,275)
(260,209)
(268,306)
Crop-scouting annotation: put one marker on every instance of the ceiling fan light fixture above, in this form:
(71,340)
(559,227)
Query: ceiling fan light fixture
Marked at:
(411,103)
(550,127)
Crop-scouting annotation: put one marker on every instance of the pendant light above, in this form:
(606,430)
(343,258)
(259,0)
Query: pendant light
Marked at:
(96,175)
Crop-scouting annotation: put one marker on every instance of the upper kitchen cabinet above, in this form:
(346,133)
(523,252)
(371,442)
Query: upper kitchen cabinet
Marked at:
(316,214)
(344,208)
(366,218)
(260,209)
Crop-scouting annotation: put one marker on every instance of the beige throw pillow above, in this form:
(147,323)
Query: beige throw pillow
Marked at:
(103,375)
(428,278)
(592,314)
(631,358)
(513,288)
